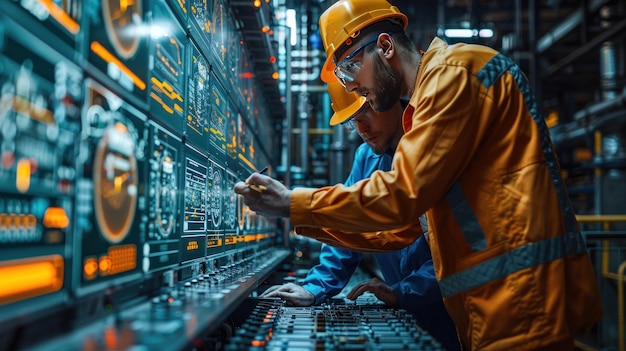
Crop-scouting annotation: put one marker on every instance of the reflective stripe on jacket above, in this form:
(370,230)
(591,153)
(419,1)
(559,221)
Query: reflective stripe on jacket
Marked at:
(477,157)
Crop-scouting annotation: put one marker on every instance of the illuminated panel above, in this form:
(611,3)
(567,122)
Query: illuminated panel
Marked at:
(118,43)
(26,278)
(61,20)
(246,152)
(199,101)
(160,250)
(111,205)
(232,141)
(215,186)
(193,240)
(180,7)
(40,118)
(219,35)
(39,127)
(231,210)
(200,21)
(169,57)
(245,78)
(234,41)
(219,120)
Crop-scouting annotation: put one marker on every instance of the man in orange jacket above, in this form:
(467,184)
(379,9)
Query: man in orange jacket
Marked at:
(477,157)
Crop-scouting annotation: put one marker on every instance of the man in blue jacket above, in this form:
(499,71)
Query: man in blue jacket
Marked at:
(408,273)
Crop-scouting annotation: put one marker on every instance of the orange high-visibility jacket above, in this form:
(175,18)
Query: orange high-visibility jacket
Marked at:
(477,158)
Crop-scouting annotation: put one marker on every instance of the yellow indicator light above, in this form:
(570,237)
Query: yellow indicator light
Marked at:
(257,3)
(25,278)
(275,75)
(90,268)
(22,179)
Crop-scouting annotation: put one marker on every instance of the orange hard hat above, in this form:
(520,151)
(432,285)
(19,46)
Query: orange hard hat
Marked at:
(343,103)
(344,20)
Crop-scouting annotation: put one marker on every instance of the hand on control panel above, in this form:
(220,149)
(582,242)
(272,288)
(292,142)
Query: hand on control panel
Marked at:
(292,293)
(377,287)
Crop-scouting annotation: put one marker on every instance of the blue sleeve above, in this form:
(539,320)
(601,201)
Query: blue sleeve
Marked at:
(336,266)
(333,272)
(418,289)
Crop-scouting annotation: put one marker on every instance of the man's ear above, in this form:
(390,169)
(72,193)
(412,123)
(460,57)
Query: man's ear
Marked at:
(387,45)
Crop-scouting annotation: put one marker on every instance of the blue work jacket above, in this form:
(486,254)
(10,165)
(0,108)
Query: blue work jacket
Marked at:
(408,271)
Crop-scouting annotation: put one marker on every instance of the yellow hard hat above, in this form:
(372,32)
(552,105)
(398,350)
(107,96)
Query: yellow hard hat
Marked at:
(343,103)
(343,21)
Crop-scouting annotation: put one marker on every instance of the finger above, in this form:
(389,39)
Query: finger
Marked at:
(241,188)
(270,290)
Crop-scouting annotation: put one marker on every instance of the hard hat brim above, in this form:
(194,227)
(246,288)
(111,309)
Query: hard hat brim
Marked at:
(346,113)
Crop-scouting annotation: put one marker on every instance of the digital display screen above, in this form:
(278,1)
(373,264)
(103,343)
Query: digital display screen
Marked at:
(181,8)
(40,121)
(160,249)
(168,49)
(220,119)
(110,195)
(219,35)
(201,21)
(216,190)
(195,206)
(61,21)
(199,99)
(118,43)
(230,210)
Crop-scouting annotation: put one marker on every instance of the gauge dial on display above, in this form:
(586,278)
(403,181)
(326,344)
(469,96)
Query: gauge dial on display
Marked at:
(166,204)
(115,182)
(123,21)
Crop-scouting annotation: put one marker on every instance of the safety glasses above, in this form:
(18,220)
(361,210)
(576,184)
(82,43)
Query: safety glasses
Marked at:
(347,70)
(350,123)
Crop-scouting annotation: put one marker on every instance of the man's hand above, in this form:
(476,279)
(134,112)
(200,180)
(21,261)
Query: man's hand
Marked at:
(292,293)
(264,195)
(377,287)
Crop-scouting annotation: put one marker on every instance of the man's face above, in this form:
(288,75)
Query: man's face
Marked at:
(375,78)
(381,130)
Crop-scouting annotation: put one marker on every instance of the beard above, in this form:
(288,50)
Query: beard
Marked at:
(387,91)
(381,148)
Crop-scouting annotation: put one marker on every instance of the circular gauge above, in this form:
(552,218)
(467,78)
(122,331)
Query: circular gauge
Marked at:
(215,198)
(123,20)
(166,204)
(115,182)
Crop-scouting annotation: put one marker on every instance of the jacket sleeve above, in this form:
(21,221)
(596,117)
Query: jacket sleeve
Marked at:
(447,133)
(375,241)
(333,272)
(418,290)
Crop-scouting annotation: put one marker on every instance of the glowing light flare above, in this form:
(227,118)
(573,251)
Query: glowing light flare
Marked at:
(272,59)
(468,33)
(25,278)
(265,29)
(275,76)
(256,3)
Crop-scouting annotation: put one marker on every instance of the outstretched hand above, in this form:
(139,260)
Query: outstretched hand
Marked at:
(265,195)
(292,293)
(377,287)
